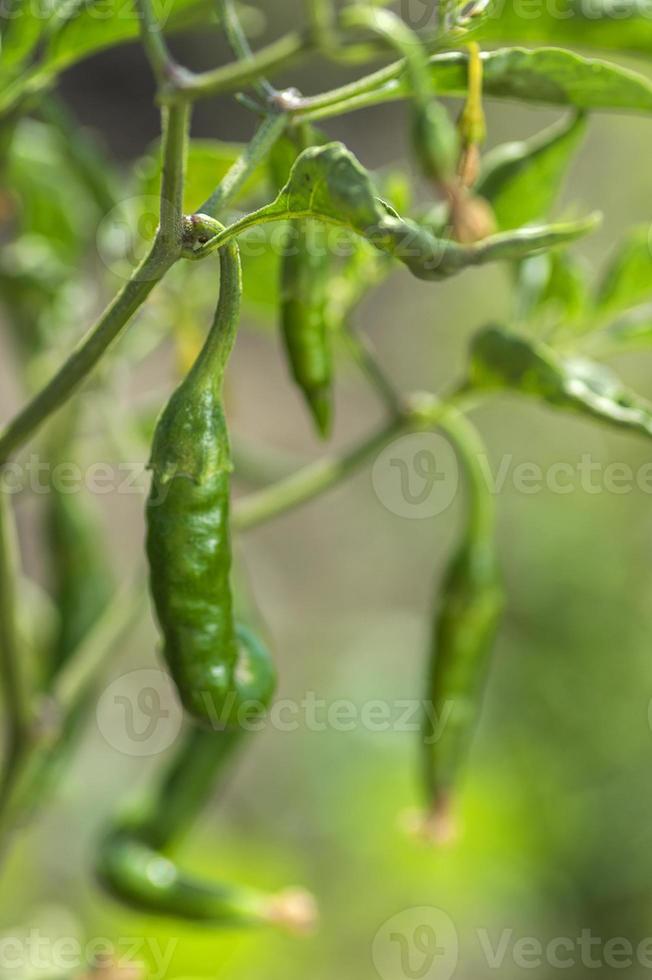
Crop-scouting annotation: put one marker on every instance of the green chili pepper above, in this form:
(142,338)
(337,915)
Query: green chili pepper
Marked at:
(304,321)
(188,539)
(134,868)
(305,276)
(469,611)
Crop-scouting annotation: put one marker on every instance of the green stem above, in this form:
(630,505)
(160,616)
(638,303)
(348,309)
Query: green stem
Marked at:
(419,412)
(395,33)
(240,45)
(72,688)
(153,41)
(176,122)
(164,253)
(239,73)
(16,691)
(87,354)
(363,353)
(312,480)
(255,152)
(213,357)
(470,448)
(86,662)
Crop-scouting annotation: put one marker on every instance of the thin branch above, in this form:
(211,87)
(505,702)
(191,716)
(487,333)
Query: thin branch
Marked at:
(255,152)
(15,683)
(237,74)
(87,661)
(312,480)
(87,354)
(419,412)
(364,354)
(176,122)
(470,449)
(240,45)
(151,34)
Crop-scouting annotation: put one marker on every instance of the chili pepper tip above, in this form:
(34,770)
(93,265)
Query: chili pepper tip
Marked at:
(293,909)
(319,401)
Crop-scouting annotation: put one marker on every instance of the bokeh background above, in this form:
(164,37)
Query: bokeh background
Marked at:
(556,809)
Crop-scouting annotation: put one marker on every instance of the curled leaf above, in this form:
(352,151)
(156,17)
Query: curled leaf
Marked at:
(504,360)
(329,183)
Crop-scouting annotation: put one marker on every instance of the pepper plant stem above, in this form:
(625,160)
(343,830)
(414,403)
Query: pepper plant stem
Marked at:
(87,354)
(311,481)
(12,656)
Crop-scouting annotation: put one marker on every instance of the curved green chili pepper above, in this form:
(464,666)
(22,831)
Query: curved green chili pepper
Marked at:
(188,537)
(133,867)
(469,611)
(305,329)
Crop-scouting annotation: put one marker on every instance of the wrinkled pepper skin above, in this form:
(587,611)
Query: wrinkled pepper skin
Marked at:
(188,537)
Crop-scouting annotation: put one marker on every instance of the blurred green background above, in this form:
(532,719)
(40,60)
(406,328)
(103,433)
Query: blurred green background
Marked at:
(556,809)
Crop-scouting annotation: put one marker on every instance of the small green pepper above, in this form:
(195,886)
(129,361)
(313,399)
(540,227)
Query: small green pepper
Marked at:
(134,863)
(188,536)
(305,276)
(469,609)
(304,321)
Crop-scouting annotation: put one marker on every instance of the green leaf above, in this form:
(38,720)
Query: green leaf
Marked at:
(328,183)
(627,281)
(521,180)
(547,76)
(53,205)
(95,26)
(553,288)
(602,26)
(20,35)
(433,258)
(633,331)
(503,360)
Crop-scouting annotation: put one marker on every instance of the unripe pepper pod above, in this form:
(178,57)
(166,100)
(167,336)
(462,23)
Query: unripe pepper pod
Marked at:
(219,673)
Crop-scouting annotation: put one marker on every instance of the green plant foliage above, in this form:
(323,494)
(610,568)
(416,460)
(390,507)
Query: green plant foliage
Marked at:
(521,181)
(504,360)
